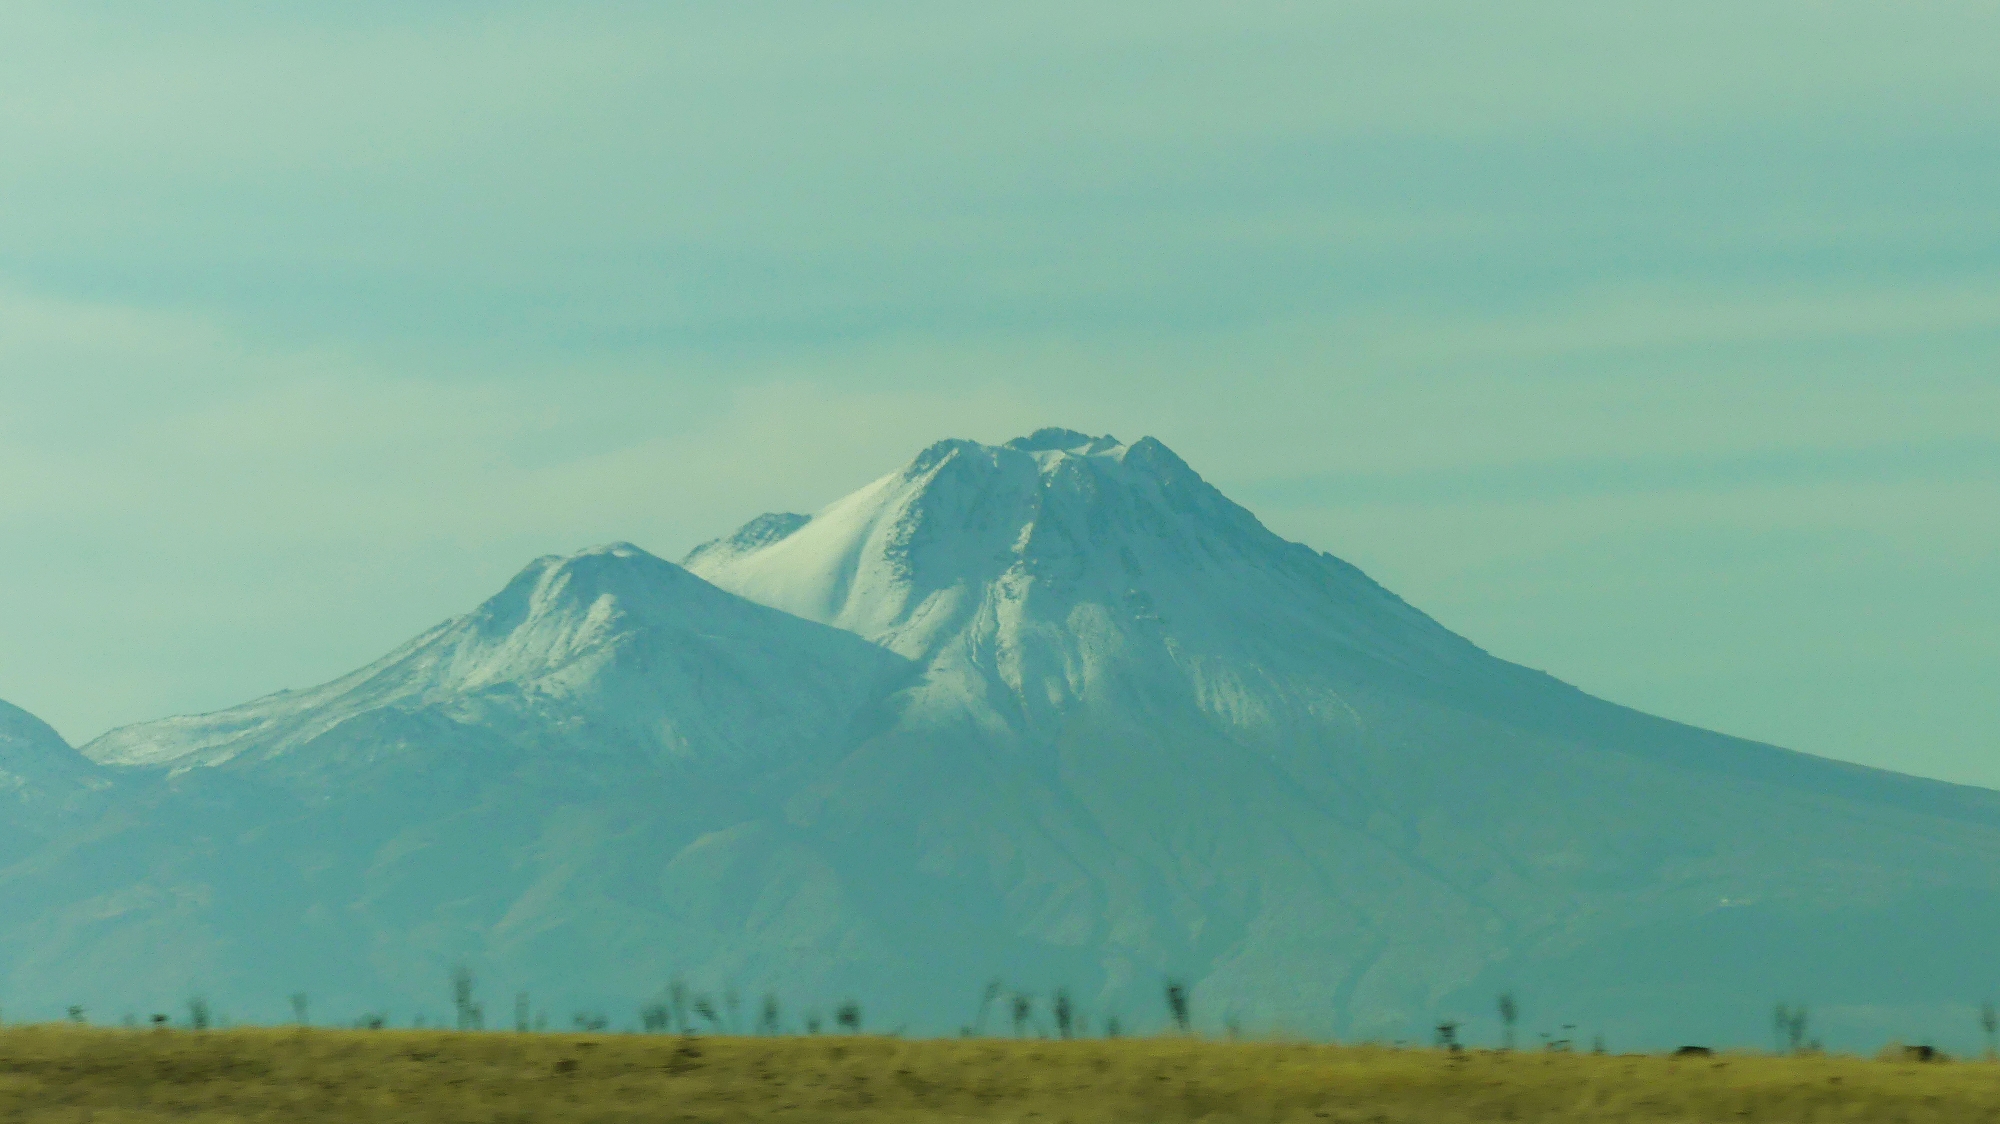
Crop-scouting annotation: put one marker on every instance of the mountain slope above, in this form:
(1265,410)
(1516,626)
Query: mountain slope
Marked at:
(1230,758)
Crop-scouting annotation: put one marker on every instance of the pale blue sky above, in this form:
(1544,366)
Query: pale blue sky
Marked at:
(1654,345)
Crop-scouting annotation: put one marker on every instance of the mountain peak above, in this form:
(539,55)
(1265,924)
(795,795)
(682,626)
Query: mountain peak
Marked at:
(990,552)
(759,532)
(628,644)
(610,550)
(613,568)
(1052,439)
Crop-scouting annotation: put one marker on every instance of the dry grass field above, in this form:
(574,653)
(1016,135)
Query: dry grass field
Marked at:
(50,1074)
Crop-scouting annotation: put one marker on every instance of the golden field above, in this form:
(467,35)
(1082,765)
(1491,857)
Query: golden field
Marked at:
(114,1077)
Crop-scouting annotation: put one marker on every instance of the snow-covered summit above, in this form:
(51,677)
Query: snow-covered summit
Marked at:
(1054,440)
(643,653)
(1039,566)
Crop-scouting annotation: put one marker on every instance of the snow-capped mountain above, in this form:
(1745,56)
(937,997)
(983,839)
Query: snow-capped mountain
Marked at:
(612,652)
(1055,711)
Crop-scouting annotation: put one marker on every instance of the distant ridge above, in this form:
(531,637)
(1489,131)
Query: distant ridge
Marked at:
(34,759)
(43,782)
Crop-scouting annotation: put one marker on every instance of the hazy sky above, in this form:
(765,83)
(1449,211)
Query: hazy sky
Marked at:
(1654,345)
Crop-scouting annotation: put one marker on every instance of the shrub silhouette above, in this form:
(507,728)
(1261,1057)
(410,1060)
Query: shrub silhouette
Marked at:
(706,1010)
(1791,1026)
(653,1018)
(1177,1004)
(470,1015)
(986,999)
(677,1003)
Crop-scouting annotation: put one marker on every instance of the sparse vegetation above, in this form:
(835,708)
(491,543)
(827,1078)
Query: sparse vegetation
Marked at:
(848,1017)
(653,1018)
(471,1016)
(72,1073)
(986,998)
(1177,1005)
(1022,1007)
(677,1003)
